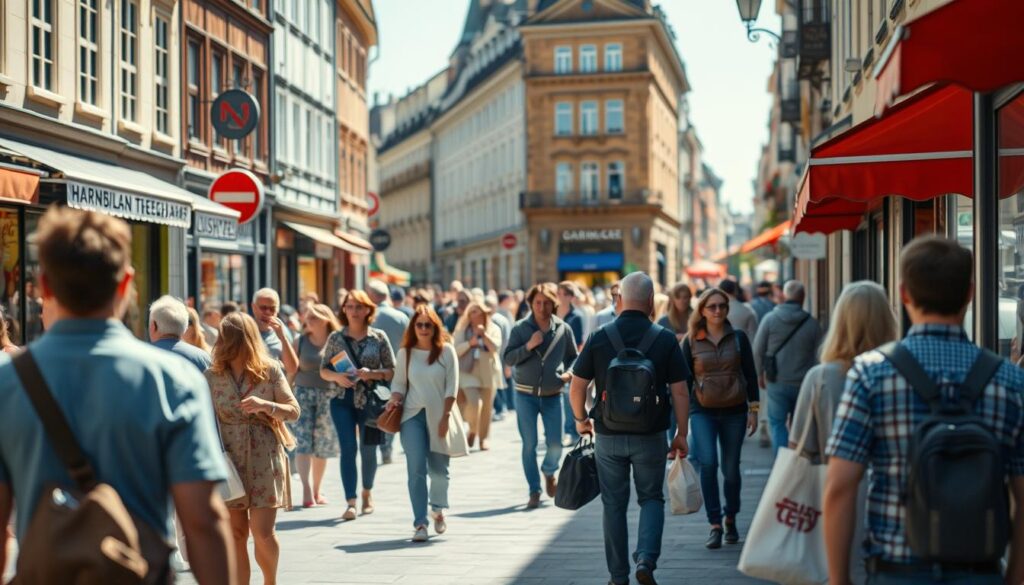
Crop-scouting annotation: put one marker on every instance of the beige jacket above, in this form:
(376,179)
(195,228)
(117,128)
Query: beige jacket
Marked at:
(487,368)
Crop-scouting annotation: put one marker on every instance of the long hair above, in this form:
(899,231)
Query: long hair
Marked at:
(661,304)
(325,314)
(362,298)
(697,320)
(440,334)
(861,321)
(676,318)
(463,323)
(194,332)
(239,336)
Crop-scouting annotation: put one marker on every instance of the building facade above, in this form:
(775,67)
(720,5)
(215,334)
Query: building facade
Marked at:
(603,88)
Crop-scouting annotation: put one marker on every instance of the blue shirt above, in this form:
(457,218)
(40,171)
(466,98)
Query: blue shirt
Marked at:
(142,415)
(198,357)
(879,411)
(575,322)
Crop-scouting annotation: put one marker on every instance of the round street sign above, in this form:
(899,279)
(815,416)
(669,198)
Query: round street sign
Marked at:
(235,114)
(240,190)
(380,239)
(373,201)
(509,241)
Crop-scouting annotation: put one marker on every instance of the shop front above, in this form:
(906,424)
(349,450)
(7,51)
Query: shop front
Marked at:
(225,260)
(314,259)
(591,257)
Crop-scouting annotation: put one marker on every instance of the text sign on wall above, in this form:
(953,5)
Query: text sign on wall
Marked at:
(591,235)
(129,205)
(216,227)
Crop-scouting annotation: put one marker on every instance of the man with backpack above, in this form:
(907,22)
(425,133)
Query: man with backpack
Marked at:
(940,423)
(99,431)
(634,364)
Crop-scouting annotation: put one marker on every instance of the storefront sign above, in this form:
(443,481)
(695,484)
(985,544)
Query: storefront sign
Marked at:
(129,205)
(216,227)
(808,246)
(591,235)
(235,114)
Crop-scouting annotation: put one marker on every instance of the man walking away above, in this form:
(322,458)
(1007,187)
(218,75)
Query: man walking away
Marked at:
(142,415)
(885,423)
(168,320)
(762,303)
(786,347)
(639,446)
(541,348)
(740,316)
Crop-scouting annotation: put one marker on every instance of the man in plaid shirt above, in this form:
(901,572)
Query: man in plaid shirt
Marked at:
(879,412)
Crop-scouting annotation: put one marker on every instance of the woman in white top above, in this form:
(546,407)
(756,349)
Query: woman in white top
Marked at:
(478,345)
(424,387)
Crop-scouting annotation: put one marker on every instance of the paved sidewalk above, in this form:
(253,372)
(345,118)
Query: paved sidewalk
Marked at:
(491,539)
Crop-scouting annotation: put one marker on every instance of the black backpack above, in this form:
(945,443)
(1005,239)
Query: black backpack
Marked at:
(630,400)
(956,497)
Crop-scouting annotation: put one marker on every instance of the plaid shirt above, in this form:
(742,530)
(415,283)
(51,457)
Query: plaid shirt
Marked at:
(879,411)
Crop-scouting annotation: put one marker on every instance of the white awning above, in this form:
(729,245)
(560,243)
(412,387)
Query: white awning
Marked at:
(119,191)
(324,237)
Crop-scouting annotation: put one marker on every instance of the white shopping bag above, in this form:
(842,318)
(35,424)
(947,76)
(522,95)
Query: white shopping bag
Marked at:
(786,541)
(683,486)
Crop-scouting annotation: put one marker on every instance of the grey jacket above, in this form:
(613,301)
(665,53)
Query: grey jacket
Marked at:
(533,374)
(393,323)
(742,317)
(799,355)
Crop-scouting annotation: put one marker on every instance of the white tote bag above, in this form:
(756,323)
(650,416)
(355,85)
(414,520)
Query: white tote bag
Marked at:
(455,442)
(683,487)
(786,542)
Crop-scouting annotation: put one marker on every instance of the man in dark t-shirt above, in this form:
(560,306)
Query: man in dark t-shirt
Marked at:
(619,453)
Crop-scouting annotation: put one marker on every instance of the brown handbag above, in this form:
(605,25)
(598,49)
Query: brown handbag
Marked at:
(83,535)
(390,421)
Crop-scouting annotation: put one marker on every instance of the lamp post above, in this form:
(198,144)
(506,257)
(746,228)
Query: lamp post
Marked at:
(749,10)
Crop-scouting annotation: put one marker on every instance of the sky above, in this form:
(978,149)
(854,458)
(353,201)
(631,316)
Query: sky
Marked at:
(729,100)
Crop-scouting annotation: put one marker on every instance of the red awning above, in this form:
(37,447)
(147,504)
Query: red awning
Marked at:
(828,216)
(19,186)
(974,44)
(765,238)
(705,269)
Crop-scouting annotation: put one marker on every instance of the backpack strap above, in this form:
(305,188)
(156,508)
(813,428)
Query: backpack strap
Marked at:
(908,366)
(54,423)
(615,337)
(985,367)
(648,339)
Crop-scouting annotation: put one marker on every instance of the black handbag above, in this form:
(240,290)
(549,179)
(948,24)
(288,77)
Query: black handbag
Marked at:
(577,481)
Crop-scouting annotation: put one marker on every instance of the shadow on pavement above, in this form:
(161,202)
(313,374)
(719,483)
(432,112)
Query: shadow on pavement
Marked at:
(382,546)
(299,524)
(491,513)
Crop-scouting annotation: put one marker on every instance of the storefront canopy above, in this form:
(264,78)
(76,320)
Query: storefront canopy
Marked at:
(116,190)
(705,269)
(364,246)
(766,238)
(17,184)
(974,44)
(380,269)
(322,236)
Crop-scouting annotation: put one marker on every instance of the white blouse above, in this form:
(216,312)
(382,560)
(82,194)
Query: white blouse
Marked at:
(426,386)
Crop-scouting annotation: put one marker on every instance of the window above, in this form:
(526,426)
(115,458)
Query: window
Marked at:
(238,82)
(280,124)
(613,116)
(88,51)
(589,181)
(563,119)
(129,60)
(257,91)
(563,60)
(216,82)
(314,141)
(162,76)
(588,118)
(613,57)
(616,179)
(563,181)
(588,58)
(297,143)
(193,89)
(42,44)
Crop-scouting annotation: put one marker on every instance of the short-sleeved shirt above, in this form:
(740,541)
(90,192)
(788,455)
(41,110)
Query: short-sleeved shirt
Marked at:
(575,322)
(879,411)
(632,325)
(199,358)
(142,415)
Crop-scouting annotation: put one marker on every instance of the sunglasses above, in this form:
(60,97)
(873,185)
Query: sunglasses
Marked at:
(717,307)
(425,325)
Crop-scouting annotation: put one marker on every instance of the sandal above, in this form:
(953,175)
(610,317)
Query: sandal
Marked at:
(367,503)
(350,514)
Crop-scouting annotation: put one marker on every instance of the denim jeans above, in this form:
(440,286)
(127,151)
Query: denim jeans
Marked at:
(781,404)
(549,408)
(645,456)
(388,445)
(346,420)
(926,577)
(503,398)
(420,462)
(712,431)
(569,427)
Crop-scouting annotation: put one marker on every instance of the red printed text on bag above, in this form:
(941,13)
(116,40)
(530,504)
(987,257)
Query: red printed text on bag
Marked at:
(799,516)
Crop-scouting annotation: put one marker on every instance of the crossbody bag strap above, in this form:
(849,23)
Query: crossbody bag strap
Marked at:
(351,353)
(559,332)
(790,336)
(908,366)
(54,423)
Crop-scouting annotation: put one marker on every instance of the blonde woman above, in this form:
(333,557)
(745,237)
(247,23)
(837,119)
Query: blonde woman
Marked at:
(679,310)
(861,321)
(478,345)
(194,333)
(252,400)
(316,440)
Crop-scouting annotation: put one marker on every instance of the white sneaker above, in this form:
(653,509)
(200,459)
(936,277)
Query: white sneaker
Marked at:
(421,534)
(439,523)
(178,563)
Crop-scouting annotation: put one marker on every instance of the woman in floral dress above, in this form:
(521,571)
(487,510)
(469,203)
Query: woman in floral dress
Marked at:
(253,400)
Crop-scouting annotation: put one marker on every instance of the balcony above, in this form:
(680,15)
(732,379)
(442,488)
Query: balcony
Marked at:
(600,199)
(405,177)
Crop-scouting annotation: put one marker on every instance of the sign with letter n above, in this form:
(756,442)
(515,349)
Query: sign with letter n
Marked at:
(235,114)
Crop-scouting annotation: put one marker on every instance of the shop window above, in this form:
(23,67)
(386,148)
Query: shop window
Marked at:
(223,278)
(88,51)
(129,60)
(1011,229)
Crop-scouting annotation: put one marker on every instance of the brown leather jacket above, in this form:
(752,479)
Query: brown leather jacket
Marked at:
(718,370)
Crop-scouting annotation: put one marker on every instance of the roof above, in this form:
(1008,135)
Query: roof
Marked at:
(480,10)
(545,4)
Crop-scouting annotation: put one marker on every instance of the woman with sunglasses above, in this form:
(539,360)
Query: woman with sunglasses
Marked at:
(425,384)
(723,404)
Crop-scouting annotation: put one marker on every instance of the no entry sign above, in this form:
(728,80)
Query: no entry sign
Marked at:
(240,190)
(235,114)
(509,241)
(373,202)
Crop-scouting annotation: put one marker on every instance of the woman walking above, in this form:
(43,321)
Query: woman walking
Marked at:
(478,345)
(252,401)
(372,362)
(315,437)
(723,403)
(679,311)
(424,388)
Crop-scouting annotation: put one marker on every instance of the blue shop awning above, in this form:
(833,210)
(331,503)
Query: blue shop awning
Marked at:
(590,262)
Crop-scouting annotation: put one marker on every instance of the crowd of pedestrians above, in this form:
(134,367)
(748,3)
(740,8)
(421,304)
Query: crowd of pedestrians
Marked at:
(690,372)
